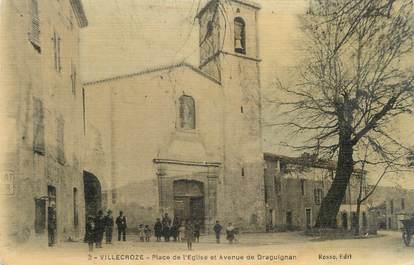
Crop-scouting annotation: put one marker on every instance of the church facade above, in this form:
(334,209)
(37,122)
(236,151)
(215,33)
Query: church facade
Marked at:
(181,139)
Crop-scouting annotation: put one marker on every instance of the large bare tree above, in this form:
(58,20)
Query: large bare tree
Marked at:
(354,81)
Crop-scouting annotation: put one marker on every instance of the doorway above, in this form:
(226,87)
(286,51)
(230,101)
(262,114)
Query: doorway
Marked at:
(289,220)
(344,220)
(93,194)
(189,201)
(308,216)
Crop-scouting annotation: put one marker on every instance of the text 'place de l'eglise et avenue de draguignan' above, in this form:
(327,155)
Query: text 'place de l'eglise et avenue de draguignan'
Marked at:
(181,139)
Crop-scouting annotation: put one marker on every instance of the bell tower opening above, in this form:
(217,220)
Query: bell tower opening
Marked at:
(239,35)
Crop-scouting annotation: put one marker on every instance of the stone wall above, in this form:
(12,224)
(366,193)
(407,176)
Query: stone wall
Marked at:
(33,81)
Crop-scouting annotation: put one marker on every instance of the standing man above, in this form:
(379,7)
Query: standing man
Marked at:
(175,227)
(122,225)
(51,226)
(99,228)
(197,231)
(217,230)
(158,229)
(166,224)
(109,227)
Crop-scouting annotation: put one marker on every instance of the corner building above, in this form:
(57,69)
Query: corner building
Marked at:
(41,112)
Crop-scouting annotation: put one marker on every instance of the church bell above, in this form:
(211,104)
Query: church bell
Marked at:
(238,45)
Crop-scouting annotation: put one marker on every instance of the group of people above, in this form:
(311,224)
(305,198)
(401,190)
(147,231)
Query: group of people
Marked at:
(167,229)
(177,229)
(188,231)
(97,226)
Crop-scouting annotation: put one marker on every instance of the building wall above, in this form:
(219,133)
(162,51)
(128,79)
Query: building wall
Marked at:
(31,75)
(290,187)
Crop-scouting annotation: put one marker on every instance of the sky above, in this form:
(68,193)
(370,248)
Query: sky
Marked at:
(127,36)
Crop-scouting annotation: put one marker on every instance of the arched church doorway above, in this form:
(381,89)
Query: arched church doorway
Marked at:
(189,200)
(93,194)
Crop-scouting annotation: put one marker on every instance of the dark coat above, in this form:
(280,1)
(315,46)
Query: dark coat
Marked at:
(121,222)
(90,232)
(158,229)
(217,228)
(109,221)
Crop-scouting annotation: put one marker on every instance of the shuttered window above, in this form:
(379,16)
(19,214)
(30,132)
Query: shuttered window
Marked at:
(60,140)
(34,34)
(318,196)
(56,50)
(38,127)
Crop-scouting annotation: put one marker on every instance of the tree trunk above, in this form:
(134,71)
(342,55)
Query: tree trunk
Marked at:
(332,201)
(358,213)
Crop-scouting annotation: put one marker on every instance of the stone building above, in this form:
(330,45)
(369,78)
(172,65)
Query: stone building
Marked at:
(186,140)
(41,108)
(390,205)
(295,187)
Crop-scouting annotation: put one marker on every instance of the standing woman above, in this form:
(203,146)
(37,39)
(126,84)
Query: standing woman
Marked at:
(90,233)
(230,233)
(189,234)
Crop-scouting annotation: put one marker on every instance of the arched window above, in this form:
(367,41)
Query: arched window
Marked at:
(187,113)
(239,35)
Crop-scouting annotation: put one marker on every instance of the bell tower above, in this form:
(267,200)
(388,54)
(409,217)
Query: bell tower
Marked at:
(227,27)
(229,53)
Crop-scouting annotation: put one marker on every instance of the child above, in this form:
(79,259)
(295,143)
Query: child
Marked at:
(189,234)
(147,233)
(141,232)
(181,233)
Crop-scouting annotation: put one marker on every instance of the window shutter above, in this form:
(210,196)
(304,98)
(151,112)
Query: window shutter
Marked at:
(73,78)
(38,127)
(34,35)
(60,141)
(58,54)
(55,49)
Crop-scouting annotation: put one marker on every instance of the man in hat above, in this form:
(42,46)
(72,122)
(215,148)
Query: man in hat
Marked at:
(122,225)
(109,225)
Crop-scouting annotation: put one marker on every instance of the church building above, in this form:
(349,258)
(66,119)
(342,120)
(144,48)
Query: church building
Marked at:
(181,139)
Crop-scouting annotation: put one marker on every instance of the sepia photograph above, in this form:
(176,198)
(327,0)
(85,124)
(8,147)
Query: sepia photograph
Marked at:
(206,132)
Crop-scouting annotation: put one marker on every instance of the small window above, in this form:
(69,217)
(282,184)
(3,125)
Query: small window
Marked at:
(187,113)
(75,208)
(318,196)
(242,171)
(302,186)
(392,206)
(34,34)
(402,204)
(114,196)
(56,50)
(239,35)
